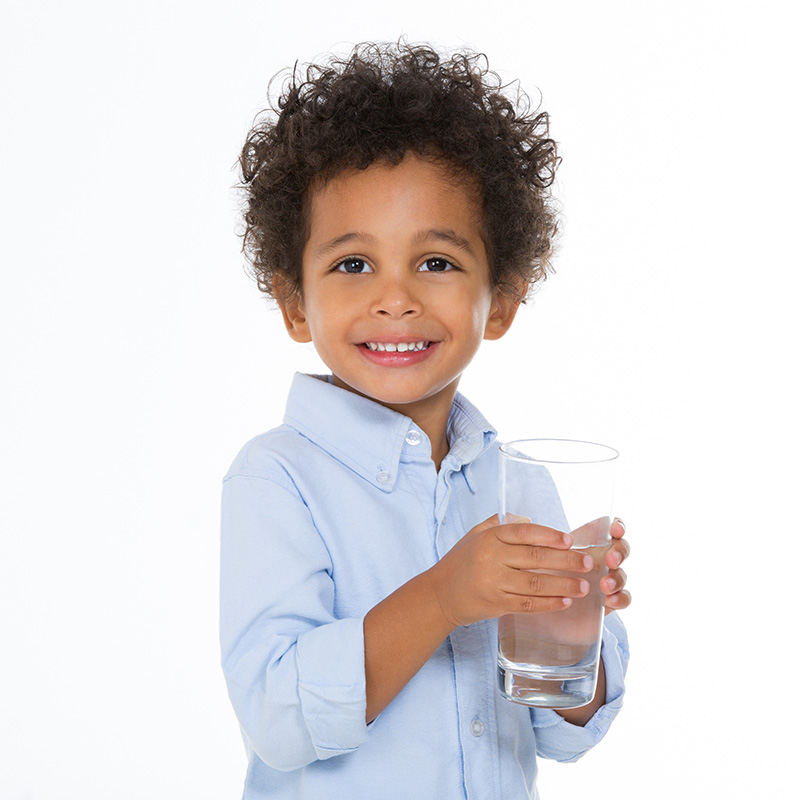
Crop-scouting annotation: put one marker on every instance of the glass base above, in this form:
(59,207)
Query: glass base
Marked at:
(568,689)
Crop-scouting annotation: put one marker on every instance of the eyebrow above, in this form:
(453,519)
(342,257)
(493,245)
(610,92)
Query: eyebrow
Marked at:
(433,234)
(446,235)
(345,238)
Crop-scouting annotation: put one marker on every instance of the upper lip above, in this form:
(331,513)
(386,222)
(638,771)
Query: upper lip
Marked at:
(397,338)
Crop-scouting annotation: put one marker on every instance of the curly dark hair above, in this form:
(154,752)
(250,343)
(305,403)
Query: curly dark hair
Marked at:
(379,103)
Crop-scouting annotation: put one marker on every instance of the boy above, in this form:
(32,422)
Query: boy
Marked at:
(398,213)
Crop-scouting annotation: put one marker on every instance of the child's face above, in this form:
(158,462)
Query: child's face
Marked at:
(396,294)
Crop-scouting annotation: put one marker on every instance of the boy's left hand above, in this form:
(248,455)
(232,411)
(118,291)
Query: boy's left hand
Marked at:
(613,584)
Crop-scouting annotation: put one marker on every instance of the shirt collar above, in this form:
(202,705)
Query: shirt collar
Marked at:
(372,439)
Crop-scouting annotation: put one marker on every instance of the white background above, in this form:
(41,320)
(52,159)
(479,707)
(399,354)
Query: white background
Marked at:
(138,357)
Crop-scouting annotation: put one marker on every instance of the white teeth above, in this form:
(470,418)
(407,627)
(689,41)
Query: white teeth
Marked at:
(399,347)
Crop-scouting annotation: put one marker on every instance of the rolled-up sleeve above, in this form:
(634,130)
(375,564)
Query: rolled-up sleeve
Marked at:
(295,673)
(558,739)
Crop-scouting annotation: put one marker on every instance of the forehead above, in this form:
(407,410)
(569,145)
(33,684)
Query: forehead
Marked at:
(417,192)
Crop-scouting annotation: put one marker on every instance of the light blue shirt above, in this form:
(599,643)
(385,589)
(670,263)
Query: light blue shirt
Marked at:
(322,518)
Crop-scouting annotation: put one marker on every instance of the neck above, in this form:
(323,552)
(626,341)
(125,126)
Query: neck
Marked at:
(430,415)
(434,425)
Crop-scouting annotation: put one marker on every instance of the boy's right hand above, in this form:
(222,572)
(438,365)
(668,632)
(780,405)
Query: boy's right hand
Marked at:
(486,574)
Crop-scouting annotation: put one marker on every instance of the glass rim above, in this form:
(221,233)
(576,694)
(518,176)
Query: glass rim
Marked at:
(613,453)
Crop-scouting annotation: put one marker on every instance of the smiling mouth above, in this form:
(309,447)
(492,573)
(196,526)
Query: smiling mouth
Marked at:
(397,347)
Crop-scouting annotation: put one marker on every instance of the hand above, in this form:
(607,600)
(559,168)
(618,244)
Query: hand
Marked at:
(613,584)
(486,574)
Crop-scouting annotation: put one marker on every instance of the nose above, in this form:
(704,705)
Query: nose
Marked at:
(395,298)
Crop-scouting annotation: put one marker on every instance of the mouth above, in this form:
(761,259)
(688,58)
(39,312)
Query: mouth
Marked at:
(397,347)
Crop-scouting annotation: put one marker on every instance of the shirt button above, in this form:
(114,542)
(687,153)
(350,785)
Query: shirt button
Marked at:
(384,477)
(477,727)
(413,437)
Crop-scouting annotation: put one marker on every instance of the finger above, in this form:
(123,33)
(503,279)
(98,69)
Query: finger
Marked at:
(522,604)
(530,557)
(536,535)
(613,582)
(618,552)
(617,601)
(617,528)
(509,518)
(543,584)
(492,522)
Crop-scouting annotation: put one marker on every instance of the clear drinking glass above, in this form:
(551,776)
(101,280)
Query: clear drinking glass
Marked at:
(550,660)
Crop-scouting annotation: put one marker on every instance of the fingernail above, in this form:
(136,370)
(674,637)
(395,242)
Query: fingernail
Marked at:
(588,562)
(584,587)
(621,523)
(616,559)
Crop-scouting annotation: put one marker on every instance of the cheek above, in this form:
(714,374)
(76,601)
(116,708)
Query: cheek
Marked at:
(326,316)
(481,308)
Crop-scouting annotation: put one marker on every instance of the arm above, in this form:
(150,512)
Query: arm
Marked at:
(295,673)
(558,739)
(483,576)
(580,716)
(400,635)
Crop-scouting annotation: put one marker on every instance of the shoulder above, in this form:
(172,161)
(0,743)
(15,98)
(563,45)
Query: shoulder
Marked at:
(275,455)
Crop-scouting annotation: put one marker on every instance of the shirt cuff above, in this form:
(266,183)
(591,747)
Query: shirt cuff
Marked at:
(332,686)
(558,739)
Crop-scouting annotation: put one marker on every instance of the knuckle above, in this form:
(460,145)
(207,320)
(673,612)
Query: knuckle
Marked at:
(534,555)
(535,581)
(522,532)
(526,604)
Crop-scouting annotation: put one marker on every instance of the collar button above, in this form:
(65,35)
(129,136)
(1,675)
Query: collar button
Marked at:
(413,437)
(384,477)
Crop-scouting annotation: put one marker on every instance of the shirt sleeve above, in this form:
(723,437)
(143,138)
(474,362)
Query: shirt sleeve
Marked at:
(558,739)
(295,673)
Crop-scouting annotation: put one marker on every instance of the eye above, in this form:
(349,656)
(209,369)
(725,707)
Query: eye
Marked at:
(353,266)
(436,264)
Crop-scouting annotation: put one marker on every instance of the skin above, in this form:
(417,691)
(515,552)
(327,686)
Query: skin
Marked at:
(395,256)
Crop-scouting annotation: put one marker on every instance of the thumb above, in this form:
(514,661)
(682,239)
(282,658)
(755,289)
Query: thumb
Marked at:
(511,518)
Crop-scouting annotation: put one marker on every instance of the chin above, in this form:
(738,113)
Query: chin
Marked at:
(390,398)
(402,398)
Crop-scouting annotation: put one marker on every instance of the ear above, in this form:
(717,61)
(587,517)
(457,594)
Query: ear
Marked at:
(291,305)
(505,305)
